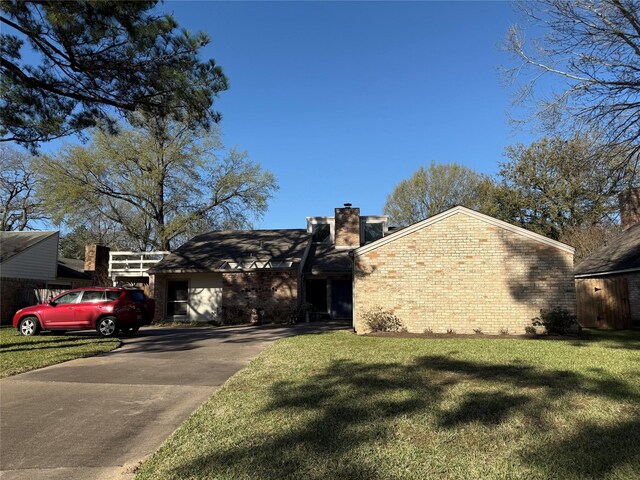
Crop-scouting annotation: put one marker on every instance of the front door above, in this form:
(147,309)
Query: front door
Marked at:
(341,299)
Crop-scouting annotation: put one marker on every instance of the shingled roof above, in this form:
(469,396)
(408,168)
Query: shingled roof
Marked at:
(328,259)
(238,250)
(72,268)
(620,254)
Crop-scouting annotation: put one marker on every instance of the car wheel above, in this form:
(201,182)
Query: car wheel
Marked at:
(29,326)
(130,330)
(106,326)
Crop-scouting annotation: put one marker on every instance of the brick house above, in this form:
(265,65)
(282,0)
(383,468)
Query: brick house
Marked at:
(608,280)
(29,262)
(459,270)
(465,272)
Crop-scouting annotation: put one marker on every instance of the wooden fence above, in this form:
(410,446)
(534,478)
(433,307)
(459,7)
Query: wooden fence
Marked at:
(603,303)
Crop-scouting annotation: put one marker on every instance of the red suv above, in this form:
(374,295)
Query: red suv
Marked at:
(108,310)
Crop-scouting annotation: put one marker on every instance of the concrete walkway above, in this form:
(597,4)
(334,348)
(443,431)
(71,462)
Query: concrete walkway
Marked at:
(98,418)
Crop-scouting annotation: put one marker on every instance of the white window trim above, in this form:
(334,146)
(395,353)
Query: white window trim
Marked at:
(384,220)
(322,221)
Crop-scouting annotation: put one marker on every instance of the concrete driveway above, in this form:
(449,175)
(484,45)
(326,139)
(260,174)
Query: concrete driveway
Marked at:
(99,417)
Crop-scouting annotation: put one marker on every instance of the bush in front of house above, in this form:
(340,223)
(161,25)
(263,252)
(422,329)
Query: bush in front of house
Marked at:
(379,320)
(556,321)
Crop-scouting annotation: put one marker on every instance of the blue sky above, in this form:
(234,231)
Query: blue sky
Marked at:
(342,100)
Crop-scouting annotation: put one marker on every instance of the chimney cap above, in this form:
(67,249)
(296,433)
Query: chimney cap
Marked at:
(348,205)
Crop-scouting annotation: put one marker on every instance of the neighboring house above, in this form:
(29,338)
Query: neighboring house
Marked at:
(608,281)
(28,263)
(459,270)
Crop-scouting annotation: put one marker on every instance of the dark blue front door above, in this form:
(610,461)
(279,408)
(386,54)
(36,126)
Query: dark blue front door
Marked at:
(341,299)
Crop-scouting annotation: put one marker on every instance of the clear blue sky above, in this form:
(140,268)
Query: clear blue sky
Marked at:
(342,100)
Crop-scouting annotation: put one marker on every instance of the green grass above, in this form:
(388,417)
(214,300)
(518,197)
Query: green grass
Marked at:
(338,406)
(20,354)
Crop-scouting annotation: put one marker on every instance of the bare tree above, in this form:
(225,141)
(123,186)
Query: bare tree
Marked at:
(19,204)
(593,48)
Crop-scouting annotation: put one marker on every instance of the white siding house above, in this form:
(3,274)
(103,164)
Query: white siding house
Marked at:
(38,261)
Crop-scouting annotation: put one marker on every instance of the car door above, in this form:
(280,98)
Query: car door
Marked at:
(61,313)
(88,307)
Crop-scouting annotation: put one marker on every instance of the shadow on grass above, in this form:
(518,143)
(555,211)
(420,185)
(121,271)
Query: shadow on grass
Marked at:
(18,343)
(56,345)
(350,405)
(617,339)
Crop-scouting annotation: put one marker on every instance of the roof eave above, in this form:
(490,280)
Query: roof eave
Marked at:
(607,272)
(472,213)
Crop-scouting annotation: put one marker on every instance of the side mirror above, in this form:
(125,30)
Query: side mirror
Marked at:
(52,303)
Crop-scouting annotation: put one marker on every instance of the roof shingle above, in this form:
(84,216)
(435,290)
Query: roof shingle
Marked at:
(210,251)
(621,253)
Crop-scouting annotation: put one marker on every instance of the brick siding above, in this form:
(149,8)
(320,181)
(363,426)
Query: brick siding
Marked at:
(276,293)
(463,274)
(347,232)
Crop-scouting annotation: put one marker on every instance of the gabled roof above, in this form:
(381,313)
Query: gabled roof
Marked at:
(470,213)
(621,254)
(12,243)
(238,250)
(328,259)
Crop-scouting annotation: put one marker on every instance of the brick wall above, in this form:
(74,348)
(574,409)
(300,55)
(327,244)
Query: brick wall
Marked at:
(347,227)
(157,288)
(629,202)
(274,292)
(96,264)
(463,274)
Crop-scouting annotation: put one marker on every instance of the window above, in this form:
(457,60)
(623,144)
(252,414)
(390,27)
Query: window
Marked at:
(93,296)
(177,298)
(113,295)
(321,233)
(373,232)
(71,297)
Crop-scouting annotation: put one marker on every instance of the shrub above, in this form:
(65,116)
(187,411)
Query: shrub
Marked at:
(557,320)
(379,320)
(530,330)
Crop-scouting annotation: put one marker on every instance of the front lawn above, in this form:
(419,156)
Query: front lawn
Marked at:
(20,354)
(338,406)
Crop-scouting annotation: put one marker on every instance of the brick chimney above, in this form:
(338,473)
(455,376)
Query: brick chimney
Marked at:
(347,226)
(96,263)
(629,202)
